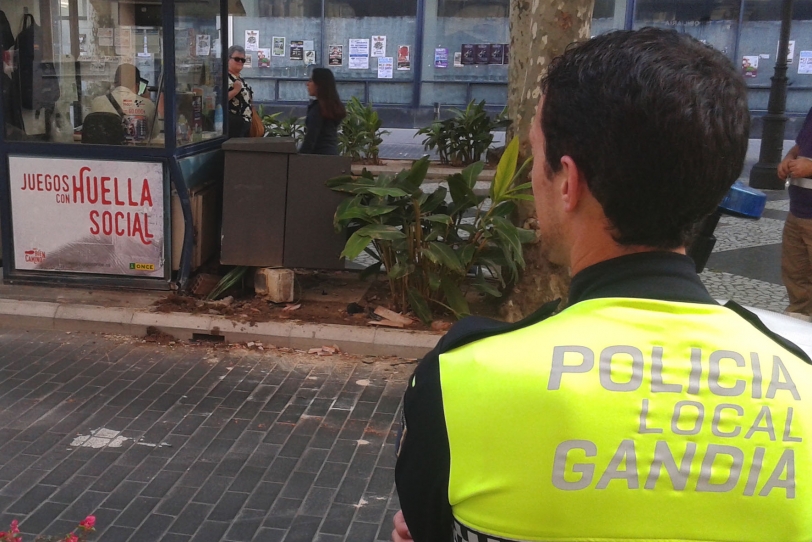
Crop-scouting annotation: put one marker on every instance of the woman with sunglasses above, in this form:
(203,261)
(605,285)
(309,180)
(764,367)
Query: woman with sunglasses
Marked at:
(324,114)
(240,95)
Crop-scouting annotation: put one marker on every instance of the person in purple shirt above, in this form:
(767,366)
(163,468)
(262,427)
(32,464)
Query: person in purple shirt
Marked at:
(796,249)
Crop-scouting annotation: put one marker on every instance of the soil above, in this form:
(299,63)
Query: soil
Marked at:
(322,297)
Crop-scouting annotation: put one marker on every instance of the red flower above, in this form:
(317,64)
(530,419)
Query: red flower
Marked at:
(14,527)
(71,538)
(88,523)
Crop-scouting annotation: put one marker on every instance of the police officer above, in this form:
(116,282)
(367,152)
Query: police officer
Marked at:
(643,410)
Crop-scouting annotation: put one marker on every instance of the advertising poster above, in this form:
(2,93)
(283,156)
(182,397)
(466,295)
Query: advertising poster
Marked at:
(264,58)
(750,66)
(309,58)
(278,46)
(104,217)
(404,58)
(124,40)
(483,53)
(249,60)
(359,54)
(251,40)
(457,59)
(336,55)
(385,65)
(203,45)
(805,63)
(497,56)
(378,46)
(790,51)
(440,57)
(296,50)
(105,37)
(468,54)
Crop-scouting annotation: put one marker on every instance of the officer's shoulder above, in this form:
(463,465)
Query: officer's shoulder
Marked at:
(475,328)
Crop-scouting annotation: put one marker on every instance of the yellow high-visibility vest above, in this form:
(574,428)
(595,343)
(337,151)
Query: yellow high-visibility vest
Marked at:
(631,419)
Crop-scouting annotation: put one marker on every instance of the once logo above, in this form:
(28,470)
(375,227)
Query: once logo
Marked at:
(142,266)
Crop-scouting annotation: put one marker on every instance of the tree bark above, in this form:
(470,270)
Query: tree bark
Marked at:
(540,30)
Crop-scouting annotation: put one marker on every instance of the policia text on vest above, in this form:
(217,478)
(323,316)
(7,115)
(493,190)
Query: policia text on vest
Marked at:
(720,467)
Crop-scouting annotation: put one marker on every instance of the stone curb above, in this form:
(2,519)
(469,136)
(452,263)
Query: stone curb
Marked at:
(434,173)
(351,339)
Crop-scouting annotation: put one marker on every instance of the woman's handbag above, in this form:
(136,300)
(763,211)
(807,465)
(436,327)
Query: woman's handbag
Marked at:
(257,127)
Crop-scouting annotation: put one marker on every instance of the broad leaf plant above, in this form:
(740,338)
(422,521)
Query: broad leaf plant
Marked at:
(433,250)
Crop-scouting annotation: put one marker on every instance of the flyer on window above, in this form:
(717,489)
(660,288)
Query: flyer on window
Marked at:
(404,58)
(483,53)
(296,50)
(249,60)
(378,46)
(385,67)
(457,59)
(468,54)
(750,66)
(309,58)
(203,45)
(805,63)
(251,40)
(790,51)
(278,46)
(440,57)
(105,37)
(497,54)
(359,54)
(264,58)
(124,40)
(336,55)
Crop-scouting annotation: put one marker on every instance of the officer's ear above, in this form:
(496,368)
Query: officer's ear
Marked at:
(573,185)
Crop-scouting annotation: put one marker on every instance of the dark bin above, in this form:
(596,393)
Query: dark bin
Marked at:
(277,211)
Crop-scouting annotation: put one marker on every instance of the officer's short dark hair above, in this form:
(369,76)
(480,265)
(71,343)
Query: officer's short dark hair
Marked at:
(657,122)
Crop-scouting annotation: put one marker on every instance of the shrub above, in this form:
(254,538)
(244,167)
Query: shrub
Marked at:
(276,127)
(360,135)
(430,247)
(463,138)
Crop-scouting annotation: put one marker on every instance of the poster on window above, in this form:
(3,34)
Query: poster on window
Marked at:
(385,65)
(497,54)
(264,58)
(790,51)
(105,37)
(203,45)
(296,50)
(336,55)
(278,46)
(124,40)
(404,58)
(457,59)
(750,66)
(805,63)
(359,54)
(483,53)
(440,57)
(309,57)
(468,54)
(251,40)
(103,216)
(378,46)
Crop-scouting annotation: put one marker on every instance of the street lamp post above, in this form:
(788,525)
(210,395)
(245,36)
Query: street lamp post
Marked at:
(765,173)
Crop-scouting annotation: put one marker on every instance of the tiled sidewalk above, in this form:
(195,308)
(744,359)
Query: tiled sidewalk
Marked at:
(195,444)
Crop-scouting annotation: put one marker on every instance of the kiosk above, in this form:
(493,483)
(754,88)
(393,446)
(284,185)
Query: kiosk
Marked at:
(111,110)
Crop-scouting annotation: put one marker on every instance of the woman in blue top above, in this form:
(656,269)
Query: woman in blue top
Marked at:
(324,114)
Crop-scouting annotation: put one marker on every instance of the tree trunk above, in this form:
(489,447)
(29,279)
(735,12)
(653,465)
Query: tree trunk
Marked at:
(540,30)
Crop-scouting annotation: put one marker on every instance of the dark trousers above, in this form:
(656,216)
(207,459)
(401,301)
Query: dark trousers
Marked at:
(238,126)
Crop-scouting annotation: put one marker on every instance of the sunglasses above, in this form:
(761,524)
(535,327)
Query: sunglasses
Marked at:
(238,59)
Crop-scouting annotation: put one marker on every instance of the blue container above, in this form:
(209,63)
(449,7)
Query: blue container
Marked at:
(741,200)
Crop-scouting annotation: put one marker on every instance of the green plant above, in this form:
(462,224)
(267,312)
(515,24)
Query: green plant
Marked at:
(231,279)
(463,138)
(434,251)
(360,136)
(277,127)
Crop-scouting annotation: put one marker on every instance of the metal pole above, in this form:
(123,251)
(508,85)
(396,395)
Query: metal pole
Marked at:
(764,174)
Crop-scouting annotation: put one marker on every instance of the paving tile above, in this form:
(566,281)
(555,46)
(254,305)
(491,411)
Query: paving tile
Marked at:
(137,511)
(228,507)
(193,515)
(211,531)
